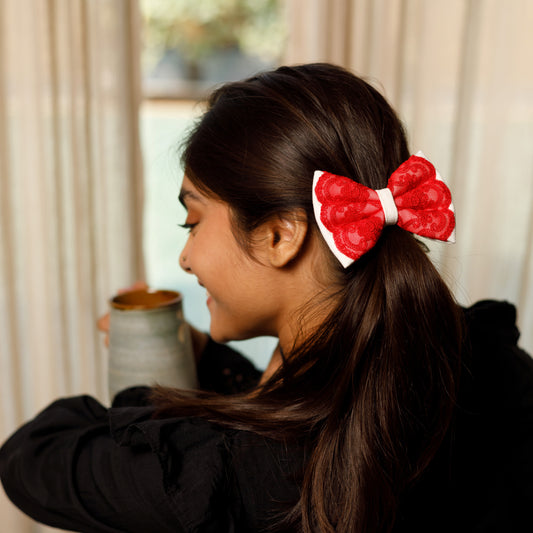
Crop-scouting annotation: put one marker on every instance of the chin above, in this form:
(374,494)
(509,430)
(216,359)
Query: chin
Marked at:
(220,336)
(223,336)
(217,337)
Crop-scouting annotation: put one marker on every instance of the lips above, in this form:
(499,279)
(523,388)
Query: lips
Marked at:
(206,292)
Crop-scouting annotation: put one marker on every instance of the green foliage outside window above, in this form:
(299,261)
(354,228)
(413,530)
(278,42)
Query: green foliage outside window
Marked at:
(195,29)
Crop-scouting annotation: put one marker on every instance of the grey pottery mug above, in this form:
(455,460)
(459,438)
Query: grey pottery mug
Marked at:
(149,341)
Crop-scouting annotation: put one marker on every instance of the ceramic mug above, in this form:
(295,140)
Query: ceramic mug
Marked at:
(149,341)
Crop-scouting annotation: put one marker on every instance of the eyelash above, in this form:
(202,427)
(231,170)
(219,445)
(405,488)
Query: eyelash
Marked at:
(189,227)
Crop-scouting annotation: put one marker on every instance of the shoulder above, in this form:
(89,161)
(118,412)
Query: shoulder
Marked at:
(483,473)
(496,370)
(491,442)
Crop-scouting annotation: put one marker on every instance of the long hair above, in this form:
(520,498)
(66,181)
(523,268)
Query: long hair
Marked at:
(373,388)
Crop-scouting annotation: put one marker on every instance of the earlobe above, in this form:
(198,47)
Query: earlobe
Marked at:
(285,237)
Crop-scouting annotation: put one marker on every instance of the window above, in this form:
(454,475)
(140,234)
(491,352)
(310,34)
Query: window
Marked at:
(188,48)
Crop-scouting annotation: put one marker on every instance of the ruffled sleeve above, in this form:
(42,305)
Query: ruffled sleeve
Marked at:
(79,466)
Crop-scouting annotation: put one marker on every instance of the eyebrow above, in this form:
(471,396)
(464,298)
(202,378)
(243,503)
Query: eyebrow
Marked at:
(185,194)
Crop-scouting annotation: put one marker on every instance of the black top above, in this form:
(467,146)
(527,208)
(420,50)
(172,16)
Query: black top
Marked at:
(83,467)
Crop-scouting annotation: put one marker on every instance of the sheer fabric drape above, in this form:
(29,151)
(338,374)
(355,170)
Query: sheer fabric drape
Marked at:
(459,74)
(70,197)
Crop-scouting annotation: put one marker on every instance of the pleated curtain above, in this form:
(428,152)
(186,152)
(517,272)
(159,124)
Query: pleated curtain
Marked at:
(70,198)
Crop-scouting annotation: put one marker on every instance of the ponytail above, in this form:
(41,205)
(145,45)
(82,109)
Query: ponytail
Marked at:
(399,332)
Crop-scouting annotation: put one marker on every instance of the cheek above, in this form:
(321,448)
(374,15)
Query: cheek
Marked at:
(208,258)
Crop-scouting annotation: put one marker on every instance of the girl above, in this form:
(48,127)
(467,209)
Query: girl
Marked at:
(385,406)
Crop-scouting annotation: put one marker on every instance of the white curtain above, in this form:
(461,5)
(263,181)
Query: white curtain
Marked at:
(70,197)
(460,75)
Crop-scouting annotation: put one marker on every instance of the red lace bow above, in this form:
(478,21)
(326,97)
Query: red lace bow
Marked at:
(351,216)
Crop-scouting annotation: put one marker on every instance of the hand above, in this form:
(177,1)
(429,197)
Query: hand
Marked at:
(103,321)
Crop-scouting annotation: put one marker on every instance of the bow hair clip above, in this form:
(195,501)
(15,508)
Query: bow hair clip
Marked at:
(351,216)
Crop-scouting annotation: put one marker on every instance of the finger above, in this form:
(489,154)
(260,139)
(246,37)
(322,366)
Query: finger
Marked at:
(103,323)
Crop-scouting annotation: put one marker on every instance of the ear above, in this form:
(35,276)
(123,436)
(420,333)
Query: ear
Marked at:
(282,237)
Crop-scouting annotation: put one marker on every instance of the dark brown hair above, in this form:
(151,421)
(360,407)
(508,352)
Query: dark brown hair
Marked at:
(374,387)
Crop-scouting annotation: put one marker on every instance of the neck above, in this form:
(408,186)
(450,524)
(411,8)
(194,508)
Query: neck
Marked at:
(275,362)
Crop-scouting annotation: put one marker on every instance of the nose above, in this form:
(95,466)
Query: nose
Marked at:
(184,264)
(184,259)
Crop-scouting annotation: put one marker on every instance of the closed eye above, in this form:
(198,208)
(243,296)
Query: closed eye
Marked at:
(188,226)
